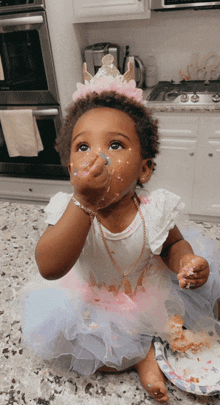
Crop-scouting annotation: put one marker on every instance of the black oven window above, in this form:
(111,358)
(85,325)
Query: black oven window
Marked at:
(22,61)
(5,3)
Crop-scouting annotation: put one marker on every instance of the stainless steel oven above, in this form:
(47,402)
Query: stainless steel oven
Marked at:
(27,74)
(10,6)
(47,164)
(28,81)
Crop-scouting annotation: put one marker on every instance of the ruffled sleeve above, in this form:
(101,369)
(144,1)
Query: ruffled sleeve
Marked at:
(56,207)
(160,209)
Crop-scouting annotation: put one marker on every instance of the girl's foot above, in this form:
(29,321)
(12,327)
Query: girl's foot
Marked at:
(152,378)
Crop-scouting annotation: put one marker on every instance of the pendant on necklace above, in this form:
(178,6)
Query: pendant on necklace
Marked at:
(127,285)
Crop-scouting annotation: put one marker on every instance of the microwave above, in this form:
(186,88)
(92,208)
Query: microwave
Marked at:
(163,5)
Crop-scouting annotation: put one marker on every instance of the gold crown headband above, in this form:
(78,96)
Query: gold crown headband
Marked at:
(108,78)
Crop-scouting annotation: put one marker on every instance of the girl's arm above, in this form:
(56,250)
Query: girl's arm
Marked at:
(178,255)
(60,245)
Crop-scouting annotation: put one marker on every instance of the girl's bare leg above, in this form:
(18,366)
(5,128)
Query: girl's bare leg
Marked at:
(151,377)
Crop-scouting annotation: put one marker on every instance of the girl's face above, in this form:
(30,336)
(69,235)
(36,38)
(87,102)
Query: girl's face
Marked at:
(112,133)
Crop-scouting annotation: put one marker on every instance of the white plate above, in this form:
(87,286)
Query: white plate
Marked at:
(198,373)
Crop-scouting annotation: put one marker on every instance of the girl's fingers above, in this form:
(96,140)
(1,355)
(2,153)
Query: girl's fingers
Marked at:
(89,163)
(98,167)
(192,284)
(194,273)
(197,284)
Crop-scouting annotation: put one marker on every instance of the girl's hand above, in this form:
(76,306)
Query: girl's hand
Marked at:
(91,181)
(194,271)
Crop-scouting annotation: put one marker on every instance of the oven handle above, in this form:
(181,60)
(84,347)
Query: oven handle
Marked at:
(45,113)
(21,21)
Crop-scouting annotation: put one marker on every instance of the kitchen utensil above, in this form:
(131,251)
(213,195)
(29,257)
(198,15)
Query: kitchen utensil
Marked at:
(139,69)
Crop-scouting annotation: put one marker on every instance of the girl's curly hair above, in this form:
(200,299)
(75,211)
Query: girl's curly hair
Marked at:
(145,126)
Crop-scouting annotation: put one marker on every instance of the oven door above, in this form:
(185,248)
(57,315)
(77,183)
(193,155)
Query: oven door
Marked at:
(10,6)
(27,74)
(47,164)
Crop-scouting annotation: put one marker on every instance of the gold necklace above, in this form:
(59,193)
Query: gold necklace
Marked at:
(125,282)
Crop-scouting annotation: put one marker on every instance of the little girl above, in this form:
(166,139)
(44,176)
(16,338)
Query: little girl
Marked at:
(107,256)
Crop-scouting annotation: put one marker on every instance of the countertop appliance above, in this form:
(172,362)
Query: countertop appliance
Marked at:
(94,54)
(165,5)
(195,92)
(139,69)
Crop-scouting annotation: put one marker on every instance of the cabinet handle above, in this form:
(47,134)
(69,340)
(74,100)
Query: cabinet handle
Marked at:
(191,154)
(210,154)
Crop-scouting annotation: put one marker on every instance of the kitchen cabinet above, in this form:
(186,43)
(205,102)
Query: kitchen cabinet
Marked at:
(110,10)
(188,163)
(206,196)
(32,190)
(176,162)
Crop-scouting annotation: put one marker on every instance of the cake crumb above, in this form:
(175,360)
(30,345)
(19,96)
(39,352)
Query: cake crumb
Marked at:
(182,340)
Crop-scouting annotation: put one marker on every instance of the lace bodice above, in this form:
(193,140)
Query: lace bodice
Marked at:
(94,265)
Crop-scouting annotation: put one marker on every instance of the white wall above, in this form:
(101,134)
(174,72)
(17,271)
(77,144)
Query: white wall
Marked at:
(67,41)
(172,37)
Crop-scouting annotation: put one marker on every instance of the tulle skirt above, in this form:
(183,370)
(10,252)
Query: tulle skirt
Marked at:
(114,330)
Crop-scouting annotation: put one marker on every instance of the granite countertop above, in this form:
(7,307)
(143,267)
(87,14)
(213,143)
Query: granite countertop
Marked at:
(160,107)
(27,379)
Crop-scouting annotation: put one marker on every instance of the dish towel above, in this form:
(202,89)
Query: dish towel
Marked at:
(2,77)
(21,133)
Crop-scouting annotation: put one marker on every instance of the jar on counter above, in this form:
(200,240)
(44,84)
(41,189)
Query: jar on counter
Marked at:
(151,71)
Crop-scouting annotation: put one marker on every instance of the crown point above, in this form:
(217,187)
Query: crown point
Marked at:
(108,59)
(129,75)
(87,76)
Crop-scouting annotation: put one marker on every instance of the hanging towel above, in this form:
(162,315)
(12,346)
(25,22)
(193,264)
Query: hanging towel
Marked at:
(2,77)
(21,133)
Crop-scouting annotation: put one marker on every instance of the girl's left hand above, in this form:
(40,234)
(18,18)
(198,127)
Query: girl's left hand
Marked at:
(194,271)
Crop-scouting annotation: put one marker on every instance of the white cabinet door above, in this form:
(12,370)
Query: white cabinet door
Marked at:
(206,197)
(176,162)
(104,10)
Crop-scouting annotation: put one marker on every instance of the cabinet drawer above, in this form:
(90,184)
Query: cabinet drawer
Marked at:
(31,189)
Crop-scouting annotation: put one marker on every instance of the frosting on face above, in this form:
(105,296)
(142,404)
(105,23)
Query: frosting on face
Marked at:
(103,140)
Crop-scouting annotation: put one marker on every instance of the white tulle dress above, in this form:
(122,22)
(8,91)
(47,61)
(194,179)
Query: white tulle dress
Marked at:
(91,315)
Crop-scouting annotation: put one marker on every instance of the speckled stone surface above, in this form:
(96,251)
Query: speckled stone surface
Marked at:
(26,379)
(160,107)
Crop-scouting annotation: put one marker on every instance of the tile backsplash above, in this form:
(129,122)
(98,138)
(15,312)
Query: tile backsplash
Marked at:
(173,37)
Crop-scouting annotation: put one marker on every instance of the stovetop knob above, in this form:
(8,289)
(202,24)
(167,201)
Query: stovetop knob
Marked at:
(184,98)
(195,98)
(216,98)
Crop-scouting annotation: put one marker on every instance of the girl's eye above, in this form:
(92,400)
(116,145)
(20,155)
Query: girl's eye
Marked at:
(83,148)
(115,146)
